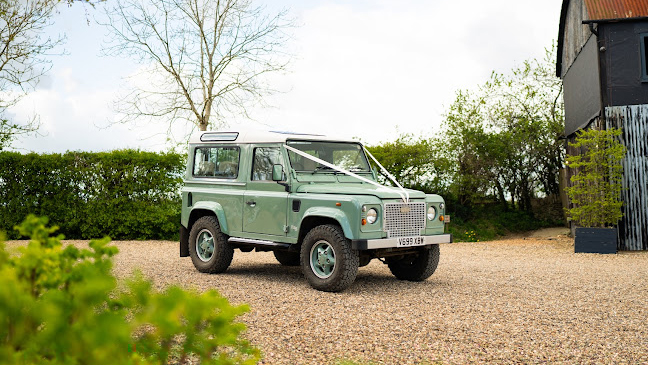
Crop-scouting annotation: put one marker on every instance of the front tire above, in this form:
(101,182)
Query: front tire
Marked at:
(416,267)
(327,259)
(208,247)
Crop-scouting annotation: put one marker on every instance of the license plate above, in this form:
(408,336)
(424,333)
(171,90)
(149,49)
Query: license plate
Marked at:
(410,241)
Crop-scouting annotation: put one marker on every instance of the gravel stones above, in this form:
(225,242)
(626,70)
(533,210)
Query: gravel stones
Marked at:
(511,301)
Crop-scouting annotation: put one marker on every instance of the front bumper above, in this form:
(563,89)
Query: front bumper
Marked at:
(393,242)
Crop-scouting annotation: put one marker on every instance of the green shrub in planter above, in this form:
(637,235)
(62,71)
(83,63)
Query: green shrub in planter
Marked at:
(59,305)
(596,185)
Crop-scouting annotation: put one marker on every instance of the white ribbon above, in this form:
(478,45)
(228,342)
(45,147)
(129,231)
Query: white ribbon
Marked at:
(404,195)
(390,176)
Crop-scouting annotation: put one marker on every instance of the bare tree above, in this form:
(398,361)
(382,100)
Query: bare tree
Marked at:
(203,60)
(23,49)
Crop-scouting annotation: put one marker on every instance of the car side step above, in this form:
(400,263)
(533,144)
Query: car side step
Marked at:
(262,243)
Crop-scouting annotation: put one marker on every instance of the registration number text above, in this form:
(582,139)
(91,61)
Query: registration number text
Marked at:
(410,241)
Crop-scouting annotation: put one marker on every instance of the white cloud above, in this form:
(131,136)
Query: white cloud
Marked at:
(71,118)
(361,69)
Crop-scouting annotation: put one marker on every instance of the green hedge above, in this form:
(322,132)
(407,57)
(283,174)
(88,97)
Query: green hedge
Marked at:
(123,194)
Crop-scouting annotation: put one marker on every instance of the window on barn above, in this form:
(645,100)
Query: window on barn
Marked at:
(643,43)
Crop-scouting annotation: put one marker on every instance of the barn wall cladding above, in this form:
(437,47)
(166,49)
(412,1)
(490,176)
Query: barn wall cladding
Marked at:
(621,63)
(633,120)
(582,89)
(603,60)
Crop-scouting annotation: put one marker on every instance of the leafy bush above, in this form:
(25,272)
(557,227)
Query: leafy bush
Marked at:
(596,186)
(489,221)
(124,194)
(59,306)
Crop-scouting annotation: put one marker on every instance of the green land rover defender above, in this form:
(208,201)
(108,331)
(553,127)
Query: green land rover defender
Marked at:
(314,201)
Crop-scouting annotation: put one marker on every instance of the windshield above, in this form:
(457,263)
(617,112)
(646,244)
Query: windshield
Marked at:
(347,156)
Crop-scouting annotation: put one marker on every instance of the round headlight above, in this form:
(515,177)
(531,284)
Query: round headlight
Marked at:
(372,216)
(431,213)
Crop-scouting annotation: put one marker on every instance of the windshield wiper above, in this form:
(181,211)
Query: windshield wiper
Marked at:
(321,168)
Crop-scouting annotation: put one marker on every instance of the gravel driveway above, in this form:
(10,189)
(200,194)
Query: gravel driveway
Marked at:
(512,301)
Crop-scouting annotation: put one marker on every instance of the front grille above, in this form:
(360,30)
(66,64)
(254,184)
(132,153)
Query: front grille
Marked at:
(401,223)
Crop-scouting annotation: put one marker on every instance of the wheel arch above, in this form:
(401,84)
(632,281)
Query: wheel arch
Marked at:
(319,216)
(202,209)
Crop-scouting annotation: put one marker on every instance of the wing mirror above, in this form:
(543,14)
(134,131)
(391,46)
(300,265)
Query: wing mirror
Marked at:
(278,176)
(277,173)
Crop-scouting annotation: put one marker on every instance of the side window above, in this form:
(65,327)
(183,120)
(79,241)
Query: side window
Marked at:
(264,159)
(218,162)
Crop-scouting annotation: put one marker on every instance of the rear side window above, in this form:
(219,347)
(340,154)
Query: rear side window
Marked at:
(217,162)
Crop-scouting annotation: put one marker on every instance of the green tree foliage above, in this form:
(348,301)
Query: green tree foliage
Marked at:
(466,142)
(596,185)
(126,194)
(59,305)
(505,137)
(411,162)
(501,141)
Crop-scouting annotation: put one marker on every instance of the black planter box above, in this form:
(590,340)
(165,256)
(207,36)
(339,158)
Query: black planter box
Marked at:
(595,240)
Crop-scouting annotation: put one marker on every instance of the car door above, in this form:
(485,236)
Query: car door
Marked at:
(265,202)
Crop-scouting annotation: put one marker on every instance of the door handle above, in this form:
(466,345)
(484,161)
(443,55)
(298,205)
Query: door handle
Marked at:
(251,203)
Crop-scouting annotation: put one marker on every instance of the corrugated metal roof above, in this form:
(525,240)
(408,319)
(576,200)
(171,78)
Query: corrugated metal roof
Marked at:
(616,9)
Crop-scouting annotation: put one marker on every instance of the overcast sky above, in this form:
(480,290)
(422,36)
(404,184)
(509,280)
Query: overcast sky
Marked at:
(367,69)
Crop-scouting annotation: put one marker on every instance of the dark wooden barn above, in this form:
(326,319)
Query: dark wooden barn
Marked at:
(603,61)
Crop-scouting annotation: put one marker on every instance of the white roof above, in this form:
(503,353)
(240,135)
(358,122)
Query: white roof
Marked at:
(257,136)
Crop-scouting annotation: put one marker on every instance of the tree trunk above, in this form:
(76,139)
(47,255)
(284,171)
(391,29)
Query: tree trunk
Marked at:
(500,194)
(525,198)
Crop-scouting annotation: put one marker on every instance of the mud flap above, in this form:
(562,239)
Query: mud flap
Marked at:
(184,241)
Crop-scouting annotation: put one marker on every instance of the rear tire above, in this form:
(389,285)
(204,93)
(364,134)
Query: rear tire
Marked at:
(416,267)
(287,258)
(208,247)
(327,259)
